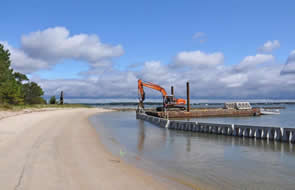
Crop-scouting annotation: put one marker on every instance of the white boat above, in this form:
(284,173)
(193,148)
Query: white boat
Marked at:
(269,111)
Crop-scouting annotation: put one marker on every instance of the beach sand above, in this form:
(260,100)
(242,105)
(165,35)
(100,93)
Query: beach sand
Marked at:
(61,150)
(7,113)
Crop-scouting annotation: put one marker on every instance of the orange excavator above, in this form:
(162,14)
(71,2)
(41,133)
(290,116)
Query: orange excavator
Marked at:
(168,101)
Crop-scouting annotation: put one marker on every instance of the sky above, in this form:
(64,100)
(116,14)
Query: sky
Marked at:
(99,49)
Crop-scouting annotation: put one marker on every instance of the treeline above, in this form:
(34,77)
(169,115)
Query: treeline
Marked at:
(15,87)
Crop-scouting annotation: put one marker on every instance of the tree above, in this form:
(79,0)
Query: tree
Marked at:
(52,100)
(20,77)
(13,90)
(10,89)
(32,93)
(5,71)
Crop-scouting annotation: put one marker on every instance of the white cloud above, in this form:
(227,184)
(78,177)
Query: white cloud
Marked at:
(258,79)
(209,82)
(201,36)
(235,80)
(114,84)
(56,43)
(44,49)
(198,59)
(290,64)
(21,62)
(256,76)
(269,46)
(253,61)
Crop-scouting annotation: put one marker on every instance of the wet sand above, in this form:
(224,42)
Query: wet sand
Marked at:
(61,150)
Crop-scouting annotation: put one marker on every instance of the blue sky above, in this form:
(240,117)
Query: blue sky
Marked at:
(154,31)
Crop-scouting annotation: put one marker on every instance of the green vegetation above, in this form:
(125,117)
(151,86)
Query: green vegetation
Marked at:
(15,88)
(52,100)
(17,92)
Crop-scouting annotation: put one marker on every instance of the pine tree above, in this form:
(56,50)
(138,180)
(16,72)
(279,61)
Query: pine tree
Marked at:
(5,71)
(10,90)
(13,89)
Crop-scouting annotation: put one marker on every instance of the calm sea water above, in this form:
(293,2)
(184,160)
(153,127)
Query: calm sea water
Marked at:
(205,160)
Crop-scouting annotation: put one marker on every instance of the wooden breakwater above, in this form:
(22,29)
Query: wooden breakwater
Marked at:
(249,131)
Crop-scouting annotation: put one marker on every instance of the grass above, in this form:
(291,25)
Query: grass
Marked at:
(39,106)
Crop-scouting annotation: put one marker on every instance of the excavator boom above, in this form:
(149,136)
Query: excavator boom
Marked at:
(167,100)
(141,84)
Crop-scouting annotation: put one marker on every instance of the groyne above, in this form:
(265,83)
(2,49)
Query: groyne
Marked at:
(248,131)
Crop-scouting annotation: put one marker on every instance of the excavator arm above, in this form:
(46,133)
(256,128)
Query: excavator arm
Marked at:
(166,99)
(141,84)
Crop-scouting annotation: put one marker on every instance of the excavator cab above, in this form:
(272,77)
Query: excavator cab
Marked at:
(171,103)
(169,100)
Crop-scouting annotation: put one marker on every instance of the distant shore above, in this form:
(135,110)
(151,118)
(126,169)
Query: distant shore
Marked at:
(59,149)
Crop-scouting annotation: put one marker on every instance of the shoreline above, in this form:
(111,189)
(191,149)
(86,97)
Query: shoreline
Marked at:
(159,174)
(61,150)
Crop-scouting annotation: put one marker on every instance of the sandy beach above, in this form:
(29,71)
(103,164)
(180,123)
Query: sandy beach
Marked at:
(60,150)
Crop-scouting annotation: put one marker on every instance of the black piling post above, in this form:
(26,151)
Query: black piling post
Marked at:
(188,97)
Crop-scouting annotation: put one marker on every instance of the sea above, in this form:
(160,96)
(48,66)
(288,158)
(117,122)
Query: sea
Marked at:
(198,160)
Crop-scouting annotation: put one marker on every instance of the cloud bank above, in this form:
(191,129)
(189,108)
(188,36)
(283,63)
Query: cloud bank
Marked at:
(198,59)
(289,68)
(255,76)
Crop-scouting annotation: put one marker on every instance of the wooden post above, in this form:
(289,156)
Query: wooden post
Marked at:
(187,96)
(172,91)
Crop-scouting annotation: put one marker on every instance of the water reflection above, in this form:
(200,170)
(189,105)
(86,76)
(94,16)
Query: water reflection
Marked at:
(188,144)
(141,136)
(217,161)
(155,142)
(260,144)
